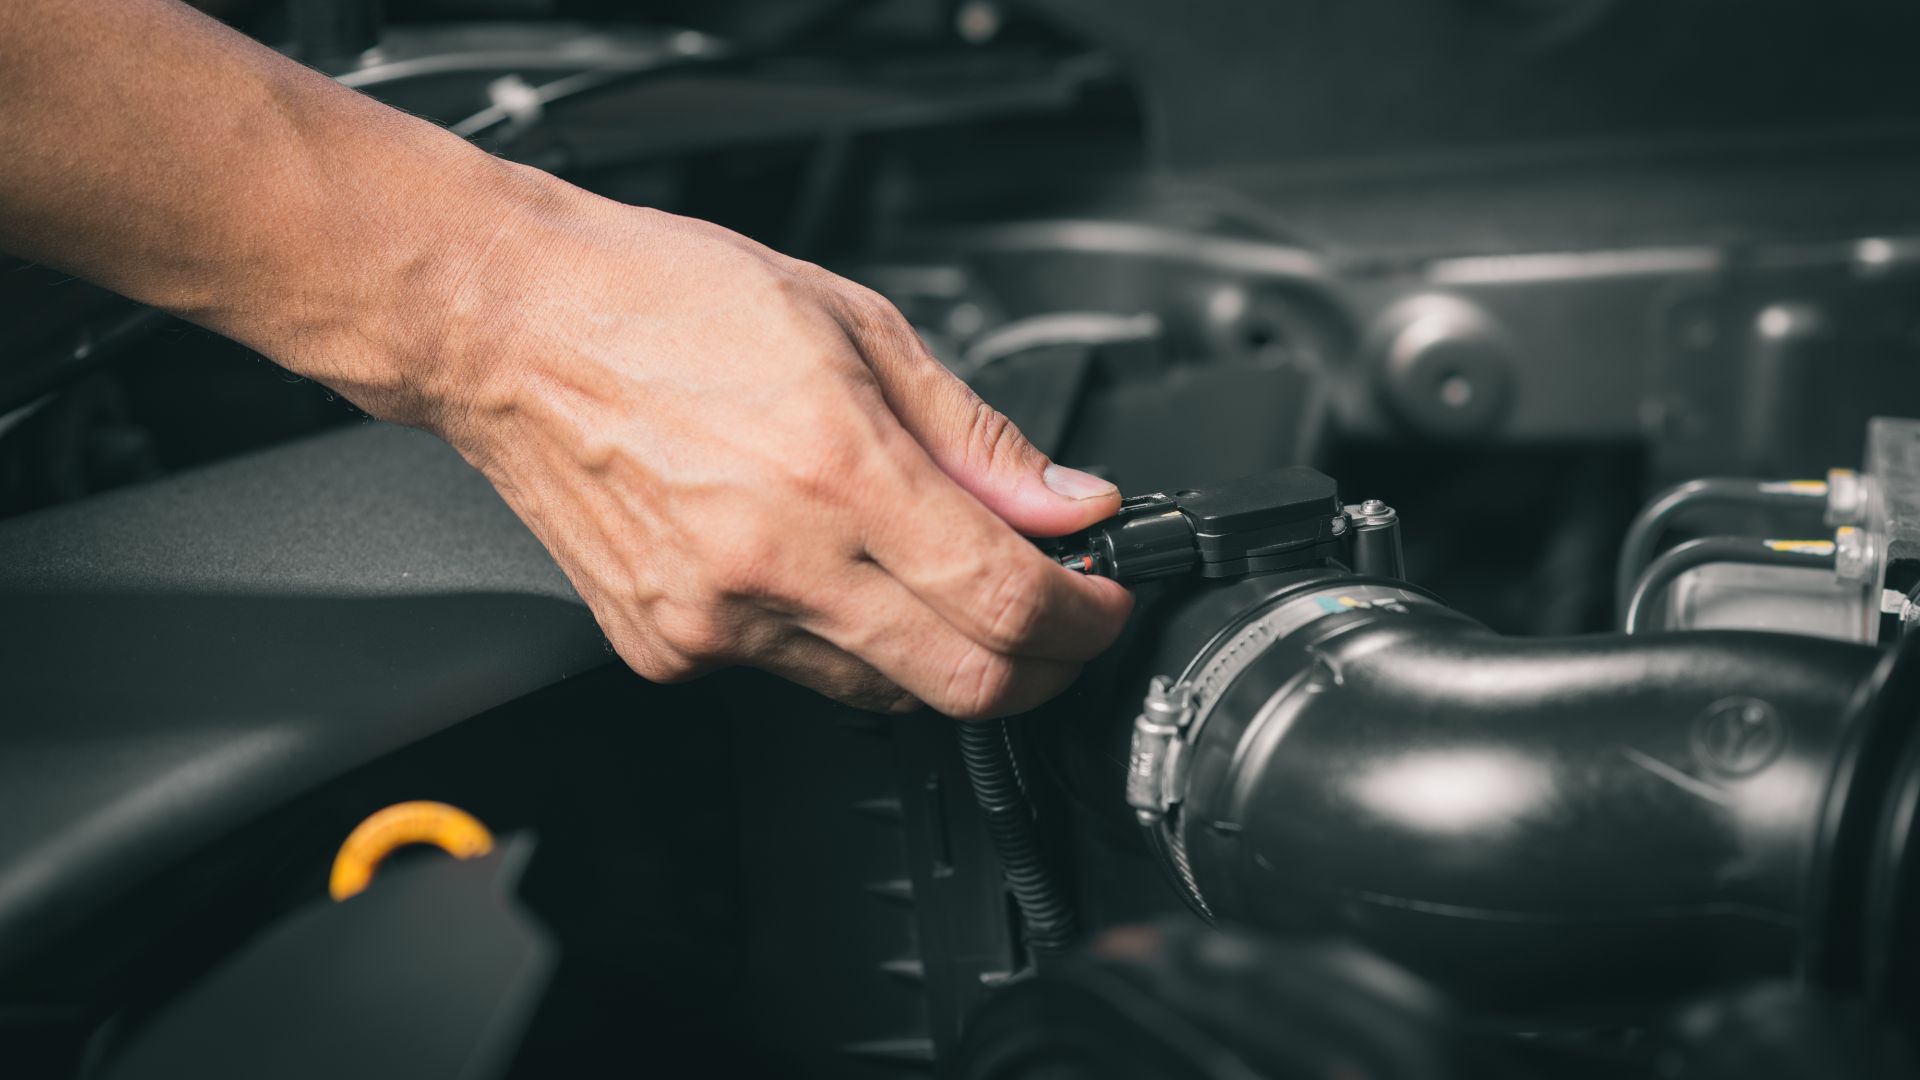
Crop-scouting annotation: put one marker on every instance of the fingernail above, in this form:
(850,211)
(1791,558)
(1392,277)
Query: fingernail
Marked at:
(1075,484)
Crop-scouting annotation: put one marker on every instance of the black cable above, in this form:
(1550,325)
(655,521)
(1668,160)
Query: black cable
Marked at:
(86,349)
(1813,554)
(94,345)
(598,80)
(716,58)
(995,778)
(97,342)
(1643,536)
(713,56)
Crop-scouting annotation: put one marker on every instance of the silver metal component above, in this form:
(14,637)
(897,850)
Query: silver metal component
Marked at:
(516,99)
(1446,364)
(1090,328)
(1853,555)
(1573,265)
(1231,658)
(1879,256)
(1847,495)
(1155,242)
(1876,515)
(1167,701)
(1890,517)
(681,47)
(1782,599)
(1338,526)
(425,52)
(1896,603)
(1153,759)
(965,319)
(1375,547)
(1372,513)
(977,21)
(11,418)
(1789,321)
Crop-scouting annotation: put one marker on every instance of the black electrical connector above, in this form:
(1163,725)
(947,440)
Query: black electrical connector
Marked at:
(1273,521)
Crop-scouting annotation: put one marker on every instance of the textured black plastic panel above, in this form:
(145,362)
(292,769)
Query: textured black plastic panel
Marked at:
(178,658)
(432,972)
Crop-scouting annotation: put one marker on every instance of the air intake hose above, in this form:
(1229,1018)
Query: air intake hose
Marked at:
(1532,823)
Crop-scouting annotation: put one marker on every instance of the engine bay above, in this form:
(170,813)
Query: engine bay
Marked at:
(1519,412)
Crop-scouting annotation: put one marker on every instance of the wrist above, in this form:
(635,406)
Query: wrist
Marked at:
(455,309)
(438,322)
(399,294)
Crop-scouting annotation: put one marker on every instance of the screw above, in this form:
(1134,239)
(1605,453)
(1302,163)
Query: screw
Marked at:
(1166,700)
(1373,506)
(1853,556)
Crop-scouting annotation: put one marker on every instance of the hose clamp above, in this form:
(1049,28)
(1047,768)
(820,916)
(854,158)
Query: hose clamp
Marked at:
(1158,751)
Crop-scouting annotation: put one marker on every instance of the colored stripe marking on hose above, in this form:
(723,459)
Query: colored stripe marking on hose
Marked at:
(1795,487)
(1802,547)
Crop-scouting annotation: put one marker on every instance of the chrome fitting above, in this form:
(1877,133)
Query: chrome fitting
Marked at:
(1153,759)
(1846,497)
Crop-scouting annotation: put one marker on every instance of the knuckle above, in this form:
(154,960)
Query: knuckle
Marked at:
(868,311)
(867,690)
(884,334)
(741,564)
(784,303)
(977,685)
(883,320)
(659,665)
(788,288)
(993,442)
(1014,607)
(864,296)
(830,468)
(793,295)
(699,634)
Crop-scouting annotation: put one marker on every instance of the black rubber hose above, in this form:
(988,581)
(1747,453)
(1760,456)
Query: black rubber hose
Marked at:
(1643,536)
(1016,838)
(1498,812)
(1815,554)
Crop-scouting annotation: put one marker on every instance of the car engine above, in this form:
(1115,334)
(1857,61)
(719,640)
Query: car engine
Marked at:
(1518,404)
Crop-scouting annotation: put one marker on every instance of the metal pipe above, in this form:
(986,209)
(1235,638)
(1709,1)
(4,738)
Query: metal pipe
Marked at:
(1815,554)
(1643,536)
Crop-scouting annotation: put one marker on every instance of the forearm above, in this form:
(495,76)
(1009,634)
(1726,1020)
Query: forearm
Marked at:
(154,151)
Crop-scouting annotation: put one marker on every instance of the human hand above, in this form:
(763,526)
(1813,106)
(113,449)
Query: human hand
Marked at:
(740,458)
(737,457)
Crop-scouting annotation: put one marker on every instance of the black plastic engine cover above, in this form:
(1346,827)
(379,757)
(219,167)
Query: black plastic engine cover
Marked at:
(181,657)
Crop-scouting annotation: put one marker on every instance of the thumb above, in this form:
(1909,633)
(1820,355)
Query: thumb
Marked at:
(985,453)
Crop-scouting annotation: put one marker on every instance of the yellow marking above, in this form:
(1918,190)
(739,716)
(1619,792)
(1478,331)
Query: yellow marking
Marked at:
(448,828)
(1348,601)
(1803,547)
(1796,487)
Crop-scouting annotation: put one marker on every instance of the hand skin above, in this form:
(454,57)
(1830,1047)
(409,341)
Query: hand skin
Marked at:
(736,457)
